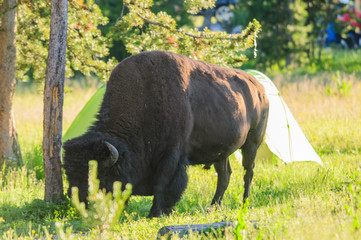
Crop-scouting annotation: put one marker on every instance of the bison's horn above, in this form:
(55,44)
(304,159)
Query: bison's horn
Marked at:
(114,154)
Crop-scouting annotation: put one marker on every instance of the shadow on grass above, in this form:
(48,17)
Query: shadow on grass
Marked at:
(35,215)
(271,195)
(138,207)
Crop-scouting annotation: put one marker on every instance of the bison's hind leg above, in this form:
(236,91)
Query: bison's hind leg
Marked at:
(249,151)
(224,171)
(170,182)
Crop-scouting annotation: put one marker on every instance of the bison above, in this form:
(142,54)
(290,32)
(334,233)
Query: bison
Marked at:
(162,112)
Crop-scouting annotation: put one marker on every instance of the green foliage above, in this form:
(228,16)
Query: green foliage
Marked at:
(195,6)
(34,160)
(291,30)
(342,87)
(176,9)
(320,14)
(299,30)
(112,9)
(104,209)
(285,31)
(142,30)
(86,47)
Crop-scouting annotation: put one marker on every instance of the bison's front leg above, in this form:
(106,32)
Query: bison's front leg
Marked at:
(171,181)
(224,171)
(158,201)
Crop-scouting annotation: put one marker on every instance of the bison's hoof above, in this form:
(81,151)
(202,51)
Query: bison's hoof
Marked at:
(154,214)
(213,208)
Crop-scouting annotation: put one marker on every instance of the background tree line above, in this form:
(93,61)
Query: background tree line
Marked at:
(292,30)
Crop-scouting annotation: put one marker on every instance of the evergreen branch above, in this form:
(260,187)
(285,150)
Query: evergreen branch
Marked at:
(84,63)
(24,55)
(182,32)
(28,56)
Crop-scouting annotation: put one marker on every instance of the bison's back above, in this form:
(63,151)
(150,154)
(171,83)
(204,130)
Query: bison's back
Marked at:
(167,99)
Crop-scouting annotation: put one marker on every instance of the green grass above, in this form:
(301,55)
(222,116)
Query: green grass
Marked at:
(332,60)
(288,201)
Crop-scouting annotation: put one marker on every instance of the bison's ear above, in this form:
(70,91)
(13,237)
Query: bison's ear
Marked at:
(113,157)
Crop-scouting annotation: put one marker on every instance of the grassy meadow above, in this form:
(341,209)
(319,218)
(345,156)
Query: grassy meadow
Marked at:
(288,201)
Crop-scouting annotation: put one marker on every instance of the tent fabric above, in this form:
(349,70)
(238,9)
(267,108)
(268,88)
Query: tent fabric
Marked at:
(284,137)
(86,116)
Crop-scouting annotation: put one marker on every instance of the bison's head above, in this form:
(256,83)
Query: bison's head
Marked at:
(79,151)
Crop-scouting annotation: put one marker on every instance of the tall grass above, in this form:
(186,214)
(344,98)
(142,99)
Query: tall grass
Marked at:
(288,201)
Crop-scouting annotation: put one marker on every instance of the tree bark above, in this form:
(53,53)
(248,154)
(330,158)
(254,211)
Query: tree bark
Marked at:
(324,29)
(289,35)
(53,101)
(9,149)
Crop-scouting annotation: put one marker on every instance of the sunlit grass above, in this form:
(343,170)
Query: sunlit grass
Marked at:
(331,123)
(288,201)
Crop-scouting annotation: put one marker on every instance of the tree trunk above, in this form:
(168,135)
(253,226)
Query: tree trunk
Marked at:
(9,149)
(289,34)
(324,29)
(53,101)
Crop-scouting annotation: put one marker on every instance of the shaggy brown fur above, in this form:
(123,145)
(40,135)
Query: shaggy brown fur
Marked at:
(163,111)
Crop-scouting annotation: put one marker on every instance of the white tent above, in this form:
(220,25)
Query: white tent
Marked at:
(284,137)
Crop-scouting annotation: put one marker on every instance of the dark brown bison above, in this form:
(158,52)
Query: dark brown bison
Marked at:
(162,112)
